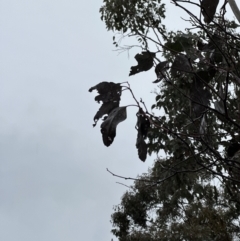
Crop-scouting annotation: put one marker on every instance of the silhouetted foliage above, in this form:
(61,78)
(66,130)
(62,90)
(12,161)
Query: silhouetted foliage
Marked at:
(108,127)
(145,62)
(198,128)
(143,125)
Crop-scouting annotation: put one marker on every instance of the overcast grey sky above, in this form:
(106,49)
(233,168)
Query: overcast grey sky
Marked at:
(53,180)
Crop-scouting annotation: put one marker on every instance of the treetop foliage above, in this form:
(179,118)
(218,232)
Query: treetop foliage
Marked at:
(198,128)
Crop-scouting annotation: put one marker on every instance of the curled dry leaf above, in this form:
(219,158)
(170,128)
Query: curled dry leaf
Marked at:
(108,91)
(142,127)
(109,95)
(105,109)
(160,70)
(142,148)
(209,9)
(145,62)
(109,126)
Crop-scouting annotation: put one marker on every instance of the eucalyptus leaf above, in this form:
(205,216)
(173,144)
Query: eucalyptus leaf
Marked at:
(142,127)
(160,70)
(209,9)
(145,62)
(142,147)
(108,91)
(105,109)
(109,126)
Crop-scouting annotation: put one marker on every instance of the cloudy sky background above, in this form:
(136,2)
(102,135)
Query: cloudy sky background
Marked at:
(53,180)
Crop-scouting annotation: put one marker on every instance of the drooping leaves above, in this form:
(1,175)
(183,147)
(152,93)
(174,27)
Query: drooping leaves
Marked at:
(109,126)
(189,132)
(105,109)
(142,148)
(209,9)
(109,94)
(160,70)
(145,62)
(108,91)
(142,127)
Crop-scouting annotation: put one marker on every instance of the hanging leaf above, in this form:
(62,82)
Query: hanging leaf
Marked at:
(209,9)
(160,70)
(105,109)
(142,148)
(109,95)
(143,124)
(142,127)
(180,64)
(108,91)
(233,148)
(145,62)
(109,126)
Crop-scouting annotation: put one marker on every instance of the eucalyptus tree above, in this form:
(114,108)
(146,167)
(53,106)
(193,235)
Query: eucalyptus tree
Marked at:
(198,81)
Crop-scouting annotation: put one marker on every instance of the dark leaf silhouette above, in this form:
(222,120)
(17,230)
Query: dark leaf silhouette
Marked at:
(145,62)
(142,126)
(109,126)
(209,9)
(233,148)
(180,64)
(109,94)
(108,91)
(105,109)
(160,70)
(142,148)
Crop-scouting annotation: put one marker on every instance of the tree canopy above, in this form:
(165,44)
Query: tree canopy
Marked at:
(198,128)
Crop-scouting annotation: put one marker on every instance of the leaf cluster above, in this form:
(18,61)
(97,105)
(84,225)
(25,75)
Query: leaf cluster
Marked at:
(185,207)
(134,16)
(198,130)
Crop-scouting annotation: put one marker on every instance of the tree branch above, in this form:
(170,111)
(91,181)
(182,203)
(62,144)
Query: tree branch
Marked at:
(235,9)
